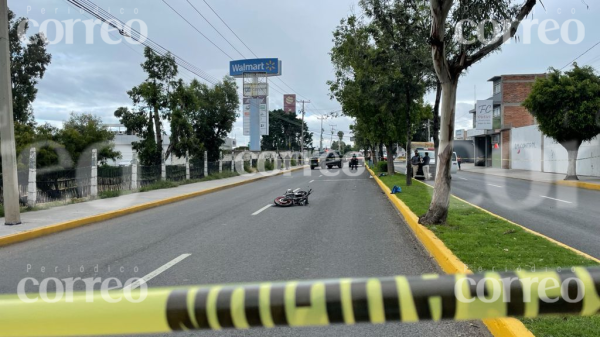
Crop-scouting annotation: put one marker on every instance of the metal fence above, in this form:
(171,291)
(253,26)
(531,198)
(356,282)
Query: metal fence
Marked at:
(69,183)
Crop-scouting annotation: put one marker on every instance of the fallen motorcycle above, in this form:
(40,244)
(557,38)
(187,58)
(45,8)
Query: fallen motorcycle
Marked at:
(292,198)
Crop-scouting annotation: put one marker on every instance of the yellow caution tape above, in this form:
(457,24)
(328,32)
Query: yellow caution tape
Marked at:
(457,297)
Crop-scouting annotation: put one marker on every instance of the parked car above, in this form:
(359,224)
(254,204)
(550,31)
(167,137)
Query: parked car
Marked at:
(326,159)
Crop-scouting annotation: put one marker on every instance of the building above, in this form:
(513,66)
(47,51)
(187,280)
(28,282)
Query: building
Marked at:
(493,147)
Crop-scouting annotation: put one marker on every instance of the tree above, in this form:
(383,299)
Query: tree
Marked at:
(382,70)
(285,132)
(341,138)
(28,62)
(216,113)
(152,98)
(83,132)
(566,107)
(137,123)
(455,46)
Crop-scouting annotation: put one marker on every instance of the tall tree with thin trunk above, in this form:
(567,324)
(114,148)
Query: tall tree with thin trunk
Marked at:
(461,35)
(566,107)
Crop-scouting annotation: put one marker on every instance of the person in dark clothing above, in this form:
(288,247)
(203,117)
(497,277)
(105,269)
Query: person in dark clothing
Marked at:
(416,162)
(426,161)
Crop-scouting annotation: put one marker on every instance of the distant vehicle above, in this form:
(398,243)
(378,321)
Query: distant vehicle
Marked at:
(359,156)
(326,159)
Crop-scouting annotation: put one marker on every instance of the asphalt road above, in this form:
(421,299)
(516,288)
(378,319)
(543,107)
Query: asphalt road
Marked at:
(567,214)
(348,230)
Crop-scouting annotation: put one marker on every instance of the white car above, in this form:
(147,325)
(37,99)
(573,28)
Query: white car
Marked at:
(453,168)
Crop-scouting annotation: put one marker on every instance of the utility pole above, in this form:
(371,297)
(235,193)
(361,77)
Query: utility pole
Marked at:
(332,132)
(322,118)
(10,183)
(302,134)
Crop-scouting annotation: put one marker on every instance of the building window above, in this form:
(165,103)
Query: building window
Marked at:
(497,111)
(497,87)
(496,139)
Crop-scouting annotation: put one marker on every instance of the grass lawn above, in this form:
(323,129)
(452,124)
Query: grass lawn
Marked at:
(484,242)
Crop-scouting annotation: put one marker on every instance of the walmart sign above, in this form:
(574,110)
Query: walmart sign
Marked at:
(271,67)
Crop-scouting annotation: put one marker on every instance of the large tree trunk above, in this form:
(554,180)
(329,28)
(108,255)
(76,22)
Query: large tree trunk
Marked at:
(572,148)
(390,158)
(438,209)
(436,119)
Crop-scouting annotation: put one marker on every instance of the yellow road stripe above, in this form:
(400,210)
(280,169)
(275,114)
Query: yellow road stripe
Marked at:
(346,296)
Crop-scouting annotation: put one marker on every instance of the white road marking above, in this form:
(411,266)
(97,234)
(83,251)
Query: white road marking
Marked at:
(157,272)
(462,178)
(568,202)
(343,180)
(320,176)
(312,181)
(296,190)
(262,209)
(495,185)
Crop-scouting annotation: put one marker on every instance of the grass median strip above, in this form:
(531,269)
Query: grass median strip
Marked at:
(484,242)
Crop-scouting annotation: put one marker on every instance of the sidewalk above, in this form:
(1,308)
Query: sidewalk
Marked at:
(96,210)
(552,178)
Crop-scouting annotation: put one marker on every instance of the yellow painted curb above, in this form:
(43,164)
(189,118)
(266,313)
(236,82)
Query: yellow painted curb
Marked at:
(500,327)
(579,184)
(63,226)
(558,243)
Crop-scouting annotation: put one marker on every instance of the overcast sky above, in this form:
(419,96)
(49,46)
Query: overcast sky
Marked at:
(95,77)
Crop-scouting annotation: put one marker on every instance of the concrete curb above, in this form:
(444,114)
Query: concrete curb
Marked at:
(63,226)
(500,327)
(577,184)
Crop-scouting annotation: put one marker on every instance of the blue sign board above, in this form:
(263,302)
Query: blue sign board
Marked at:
(271,66)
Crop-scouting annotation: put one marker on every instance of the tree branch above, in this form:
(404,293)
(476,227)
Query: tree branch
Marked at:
(483,52)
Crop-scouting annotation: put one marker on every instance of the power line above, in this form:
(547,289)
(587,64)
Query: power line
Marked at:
(205,19)
(231,30)
(199,32)
(577,58)
(129,32)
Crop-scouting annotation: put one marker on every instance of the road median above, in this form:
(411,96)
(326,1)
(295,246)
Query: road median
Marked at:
(79,222)
(476,240)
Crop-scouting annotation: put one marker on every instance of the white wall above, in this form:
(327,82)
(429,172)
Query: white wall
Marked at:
(526,148)
(588,159)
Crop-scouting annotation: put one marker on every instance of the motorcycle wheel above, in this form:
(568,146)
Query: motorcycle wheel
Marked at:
(283,202)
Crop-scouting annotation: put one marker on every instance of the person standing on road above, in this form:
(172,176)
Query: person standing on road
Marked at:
(458,160)
(415,161)
(426,165)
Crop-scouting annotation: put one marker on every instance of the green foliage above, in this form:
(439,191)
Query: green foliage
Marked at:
(293,162)
(484,242)
(28,64)
(109,194)
(151,100)
(83,132)
(213,117)
(285,132)
(269,165)
(566,106)
(159,185)
(248,167)
(381,166)
(382,70)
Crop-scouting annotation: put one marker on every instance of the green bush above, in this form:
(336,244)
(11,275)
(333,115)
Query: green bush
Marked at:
(382,166)
(158,185)
(109,194)
(294,162)
(269,165)
(247,167)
